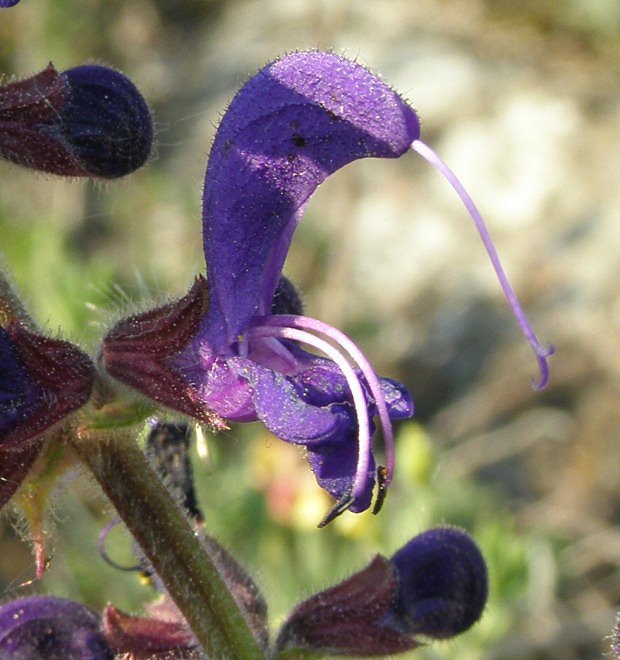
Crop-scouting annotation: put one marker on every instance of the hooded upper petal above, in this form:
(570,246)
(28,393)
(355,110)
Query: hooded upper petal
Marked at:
(290,126)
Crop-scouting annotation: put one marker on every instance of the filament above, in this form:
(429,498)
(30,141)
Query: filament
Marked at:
(304,322)
(357,394)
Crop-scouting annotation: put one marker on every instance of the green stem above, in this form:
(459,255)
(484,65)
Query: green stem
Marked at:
(158,526)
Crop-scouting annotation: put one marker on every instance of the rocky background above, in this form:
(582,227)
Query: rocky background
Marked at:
(522,100)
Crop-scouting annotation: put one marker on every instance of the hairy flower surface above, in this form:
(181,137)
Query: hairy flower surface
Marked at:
(435,585)
(442,584)
(146,637)
(51,628)
(294,123)
(290,126)
(42,381)
(88,121)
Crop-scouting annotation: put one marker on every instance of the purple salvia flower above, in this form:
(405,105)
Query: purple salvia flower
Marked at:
(88,121)
(291,125)
(8,3)
(436,586)
(51,628)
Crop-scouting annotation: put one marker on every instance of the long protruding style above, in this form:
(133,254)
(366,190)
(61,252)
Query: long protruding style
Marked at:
(541,352)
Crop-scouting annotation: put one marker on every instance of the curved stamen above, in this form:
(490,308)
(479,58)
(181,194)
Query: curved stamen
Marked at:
(307,323)
(281,350)
(541,352)
(357,394)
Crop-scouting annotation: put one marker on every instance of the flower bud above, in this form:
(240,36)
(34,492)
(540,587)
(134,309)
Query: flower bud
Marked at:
(286,299)
(139,351)
(143,637)
(51,628)
(167,448)
(87,121)
(435,585)
(442,584)
(42,380)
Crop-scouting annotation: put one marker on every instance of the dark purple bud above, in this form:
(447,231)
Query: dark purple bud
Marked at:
(286,299)
(167,448)
(436,586)
(42,380)
(140,350)
(87,121)
(18,392)
(107,121)
(243,589)
(143,637)
(442,583)
(50,628)
(348,619)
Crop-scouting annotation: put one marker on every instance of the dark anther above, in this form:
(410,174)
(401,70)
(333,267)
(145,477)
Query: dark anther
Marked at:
(340,507)
(286,299)
(381,489)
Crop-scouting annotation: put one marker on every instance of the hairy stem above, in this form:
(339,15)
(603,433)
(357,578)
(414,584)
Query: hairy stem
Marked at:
(160,529)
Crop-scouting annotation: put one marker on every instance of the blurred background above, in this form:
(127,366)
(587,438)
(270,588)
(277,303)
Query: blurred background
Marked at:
(522,100)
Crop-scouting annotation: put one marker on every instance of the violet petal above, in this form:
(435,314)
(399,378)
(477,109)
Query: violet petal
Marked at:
(334,466)
(286,414)
(295,122)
